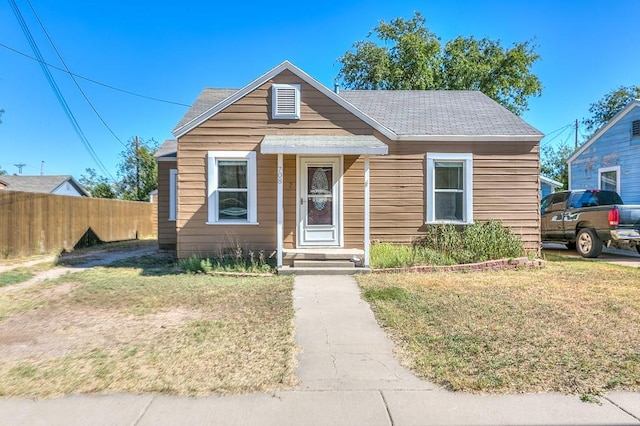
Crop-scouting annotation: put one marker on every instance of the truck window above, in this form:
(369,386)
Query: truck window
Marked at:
(606,198)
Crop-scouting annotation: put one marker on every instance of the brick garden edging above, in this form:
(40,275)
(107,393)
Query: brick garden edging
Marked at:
(491,265)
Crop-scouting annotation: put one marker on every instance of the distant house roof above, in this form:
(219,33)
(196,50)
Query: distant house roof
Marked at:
(552,183)
(631,105)
(419,115)
(167,150)
(42,184)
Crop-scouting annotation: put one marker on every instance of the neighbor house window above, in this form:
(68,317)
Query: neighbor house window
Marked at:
(609,179)
(173,193)
(232,187)
(449,188)
(285,100)
(635,129)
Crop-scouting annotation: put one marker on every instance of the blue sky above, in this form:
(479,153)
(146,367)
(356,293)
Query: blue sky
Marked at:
(171,51)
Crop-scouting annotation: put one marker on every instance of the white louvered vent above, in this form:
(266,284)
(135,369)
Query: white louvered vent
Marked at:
(286,101)
(635,129)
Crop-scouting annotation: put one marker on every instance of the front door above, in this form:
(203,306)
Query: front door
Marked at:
(319,201)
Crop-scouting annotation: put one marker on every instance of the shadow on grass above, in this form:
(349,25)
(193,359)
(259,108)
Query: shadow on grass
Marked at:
(137,254)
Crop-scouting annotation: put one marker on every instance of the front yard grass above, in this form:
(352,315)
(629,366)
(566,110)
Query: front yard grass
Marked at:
(571,327)
(138,327)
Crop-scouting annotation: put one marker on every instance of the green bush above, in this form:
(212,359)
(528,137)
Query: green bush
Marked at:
(387,255)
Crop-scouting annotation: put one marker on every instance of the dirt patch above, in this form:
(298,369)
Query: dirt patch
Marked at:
(52,333)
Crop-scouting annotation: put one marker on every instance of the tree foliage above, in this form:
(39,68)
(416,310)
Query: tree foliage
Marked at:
(553,162)
(138,170)
(98,186)
(609,105)
(137,174)
(2,171)
(412,57)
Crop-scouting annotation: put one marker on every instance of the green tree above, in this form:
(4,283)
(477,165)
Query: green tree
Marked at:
(138,170)
(98,186)
(608,106)
(411,57)
(553,162)
(2,171)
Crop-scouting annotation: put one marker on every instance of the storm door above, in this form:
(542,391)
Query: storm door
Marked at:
(320,199)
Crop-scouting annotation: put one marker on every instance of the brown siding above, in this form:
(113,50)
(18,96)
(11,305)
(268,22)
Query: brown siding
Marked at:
(505,177)
(166,227)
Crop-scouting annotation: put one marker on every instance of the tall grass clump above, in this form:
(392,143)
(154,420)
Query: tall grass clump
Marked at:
(387,255)
(235,261)
(472,243)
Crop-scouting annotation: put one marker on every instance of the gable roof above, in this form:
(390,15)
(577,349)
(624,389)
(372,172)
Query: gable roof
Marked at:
(41,184)
(624,111)
(419,115)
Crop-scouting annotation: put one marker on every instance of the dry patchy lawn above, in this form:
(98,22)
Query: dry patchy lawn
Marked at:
(572,327)
(137,327)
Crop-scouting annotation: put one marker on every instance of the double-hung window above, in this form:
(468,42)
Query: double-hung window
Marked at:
(231,188)
(449,186)
(609,179)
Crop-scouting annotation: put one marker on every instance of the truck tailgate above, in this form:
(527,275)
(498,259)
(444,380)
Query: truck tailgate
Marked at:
(629,215)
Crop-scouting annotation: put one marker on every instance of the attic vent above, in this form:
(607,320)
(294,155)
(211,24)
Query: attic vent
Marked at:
(635,129)
(285,99)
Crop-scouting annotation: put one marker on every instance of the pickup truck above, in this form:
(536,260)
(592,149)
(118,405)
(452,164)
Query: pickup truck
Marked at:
(588,219)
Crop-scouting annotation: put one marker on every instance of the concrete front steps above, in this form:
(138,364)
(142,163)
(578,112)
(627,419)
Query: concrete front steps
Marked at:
(322,262)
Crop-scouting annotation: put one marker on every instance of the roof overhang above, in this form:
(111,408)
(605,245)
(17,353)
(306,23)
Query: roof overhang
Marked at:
(323,145)
(469,138)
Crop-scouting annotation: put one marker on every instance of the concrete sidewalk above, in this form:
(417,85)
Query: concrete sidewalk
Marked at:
(348,377)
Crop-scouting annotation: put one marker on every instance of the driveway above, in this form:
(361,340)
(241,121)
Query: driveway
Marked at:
(609,255)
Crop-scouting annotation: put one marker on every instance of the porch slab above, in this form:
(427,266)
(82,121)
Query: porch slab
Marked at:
(321,254)
(289,270)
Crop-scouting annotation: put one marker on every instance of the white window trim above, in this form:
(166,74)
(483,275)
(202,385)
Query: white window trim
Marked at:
(468,186)
(274,102)
(212,187)
(173,194)
(610,169)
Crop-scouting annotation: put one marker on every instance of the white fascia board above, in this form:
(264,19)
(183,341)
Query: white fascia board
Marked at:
(603,130)
(286,65)
(469,138)
(550,181)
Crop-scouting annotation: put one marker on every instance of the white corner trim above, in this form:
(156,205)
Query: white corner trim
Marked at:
(173,194)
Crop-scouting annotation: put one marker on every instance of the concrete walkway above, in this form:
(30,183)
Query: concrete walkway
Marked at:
(348,377)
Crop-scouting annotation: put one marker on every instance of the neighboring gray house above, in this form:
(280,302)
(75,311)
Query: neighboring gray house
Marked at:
(610,158)
(59,185)
(547,186)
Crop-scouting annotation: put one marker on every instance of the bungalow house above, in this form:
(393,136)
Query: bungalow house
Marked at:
(288,166)
(610,158)
(59,185)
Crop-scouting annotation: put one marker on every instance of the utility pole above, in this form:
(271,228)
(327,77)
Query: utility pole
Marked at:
(41,167)
(137,169)
(20,166)
(576,140)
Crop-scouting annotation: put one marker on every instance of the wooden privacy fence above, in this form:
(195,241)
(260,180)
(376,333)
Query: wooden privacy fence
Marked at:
(33,223)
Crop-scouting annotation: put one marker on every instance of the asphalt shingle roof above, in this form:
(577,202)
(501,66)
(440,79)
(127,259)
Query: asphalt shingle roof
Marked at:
(207,99)
(167,149)
(44,184)
(438,112)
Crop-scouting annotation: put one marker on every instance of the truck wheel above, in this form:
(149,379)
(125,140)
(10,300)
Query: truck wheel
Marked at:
(587,243)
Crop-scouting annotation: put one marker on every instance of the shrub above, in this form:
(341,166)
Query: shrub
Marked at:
(387,255)
(233,262)
(474,243)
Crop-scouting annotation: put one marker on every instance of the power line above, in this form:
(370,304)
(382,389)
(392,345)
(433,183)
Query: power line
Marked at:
(84,95)
(56,89)
(108,86)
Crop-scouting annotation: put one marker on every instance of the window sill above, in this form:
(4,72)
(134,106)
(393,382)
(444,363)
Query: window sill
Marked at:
(447,222)
(232,223)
